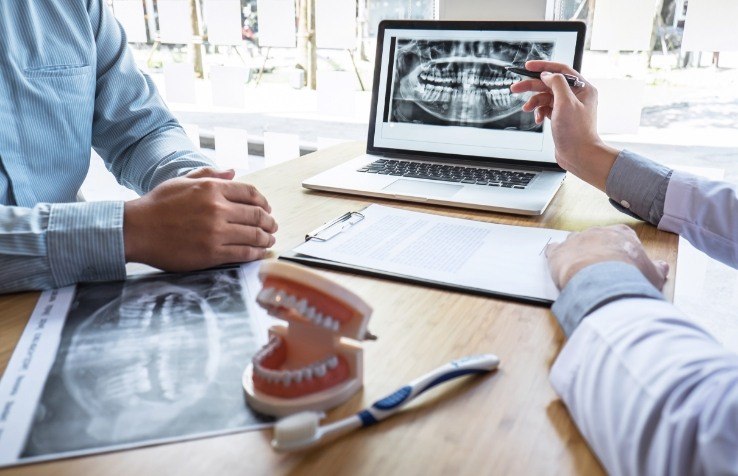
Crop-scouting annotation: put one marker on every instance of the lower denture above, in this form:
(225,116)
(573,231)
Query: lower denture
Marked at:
(273,358)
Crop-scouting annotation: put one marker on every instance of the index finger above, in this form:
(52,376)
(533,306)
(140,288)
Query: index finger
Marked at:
(551,67)
(527,85)
(239,192)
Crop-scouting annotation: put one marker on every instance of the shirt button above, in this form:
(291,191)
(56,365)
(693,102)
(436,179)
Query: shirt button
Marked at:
(625,203)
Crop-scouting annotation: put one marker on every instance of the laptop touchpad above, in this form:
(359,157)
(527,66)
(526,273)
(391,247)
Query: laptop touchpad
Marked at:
(427,189)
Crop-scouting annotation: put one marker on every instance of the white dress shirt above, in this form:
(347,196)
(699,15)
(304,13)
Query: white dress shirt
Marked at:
(651,391)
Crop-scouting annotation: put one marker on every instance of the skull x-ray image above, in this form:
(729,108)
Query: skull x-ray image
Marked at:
(462,83)
(151,358)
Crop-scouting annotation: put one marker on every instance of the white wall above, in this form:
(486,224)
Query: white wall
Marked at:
(493,9)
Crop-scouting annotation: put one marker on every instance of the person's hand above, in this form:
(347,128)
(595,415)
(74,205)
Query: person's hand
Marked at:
(573,115)
(198,221)
(598,245)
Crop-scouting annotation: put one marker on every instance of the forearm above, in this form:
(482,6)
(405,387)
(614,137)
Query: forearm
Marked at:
(705,212)
(701,210)
(650,391)
(158,156)
(133,130)
(51,246)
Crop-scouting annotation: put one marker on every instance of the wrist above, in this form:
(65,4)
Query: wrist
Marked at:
(131,231)
(599,159)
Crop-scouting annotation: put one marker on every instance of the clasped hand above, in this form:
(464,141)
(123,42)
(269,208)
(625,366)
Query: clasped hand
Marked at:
(198,221)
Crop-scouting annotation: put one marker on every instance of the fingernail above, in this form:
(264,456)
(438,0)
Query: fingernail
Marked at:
(545,74)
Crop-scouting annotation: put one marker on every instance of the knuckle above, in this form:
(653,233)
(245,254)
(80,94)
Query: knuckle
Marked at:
(253,236)
(215,210)
(206,187)
(250,254)
(259,215)
(250,190)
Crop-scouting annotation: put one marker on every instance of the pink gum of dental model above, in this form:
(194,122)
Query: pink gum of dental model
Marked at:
(310,364)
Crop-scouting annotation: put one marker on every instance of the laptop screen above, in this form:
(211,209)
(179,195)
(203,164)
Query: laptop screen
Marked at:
(441,88)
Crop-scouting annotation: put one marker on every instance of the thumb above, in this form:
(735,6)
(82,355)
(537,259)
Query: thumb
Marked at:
(662,267)
(212,172)
(657,274)
(558,85)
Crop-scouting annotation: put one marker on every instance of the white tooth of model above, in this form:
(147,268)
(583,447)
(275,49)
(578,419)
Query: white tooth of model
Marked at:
(302,306)
(265,295)
(307,373)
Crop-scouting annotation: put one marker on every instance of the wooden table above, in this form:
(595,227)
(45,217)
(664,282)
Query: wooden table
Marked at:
(510,422)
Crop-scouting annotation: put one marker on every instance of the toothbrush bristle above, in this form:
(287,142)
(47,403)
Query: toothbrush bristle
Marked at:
(295,428)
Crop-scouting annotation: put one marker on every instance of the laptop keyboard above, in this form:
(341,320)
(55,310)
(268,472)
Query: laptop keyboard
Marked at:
(450,173)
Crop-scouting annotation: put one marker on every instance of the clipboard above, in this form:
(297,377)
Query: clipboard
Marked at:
(347,221)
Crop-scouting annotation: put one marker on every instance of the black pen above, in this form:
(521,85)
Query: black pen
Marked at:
(572,80)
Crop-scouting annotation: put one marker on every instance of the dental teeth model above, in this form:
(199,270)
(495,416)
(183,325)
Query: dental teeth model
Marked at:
(315,362)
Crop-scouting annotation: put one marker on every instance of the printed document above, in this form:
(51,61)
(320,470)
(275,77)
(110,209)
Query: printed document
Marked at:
(464,253)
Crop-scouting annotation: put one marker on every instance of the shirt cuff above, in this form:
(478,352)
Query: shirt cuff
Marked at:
(85,242)
(597,285)
(637,186)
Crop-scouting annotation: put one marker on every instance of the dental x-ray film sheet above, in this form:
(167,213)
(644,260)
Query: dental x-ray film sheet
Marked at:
(448,91)
(154,359)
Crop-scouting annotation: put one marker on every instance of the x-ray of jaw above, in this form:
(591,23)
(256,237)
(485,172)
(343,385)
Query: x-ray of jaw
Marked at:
(148,359)
(463,83)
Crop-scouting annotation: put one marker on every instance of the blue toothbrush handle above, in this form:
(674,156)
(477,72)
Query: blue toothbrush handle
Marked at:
(384,407)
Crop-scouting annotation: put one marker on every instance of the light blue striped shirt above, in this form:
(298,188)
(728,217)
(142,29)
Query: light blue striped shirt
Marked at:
(68,82)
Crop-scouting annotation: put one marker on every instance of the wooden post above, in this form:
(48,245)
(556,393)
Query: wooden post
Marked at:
(196,44)
(362,29)
(150,20)
(655,35)
(306,41)
(591,4)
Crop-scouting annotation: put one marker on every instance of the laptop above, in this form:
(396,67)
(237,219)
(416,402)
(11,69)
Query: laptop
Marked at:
(444,128)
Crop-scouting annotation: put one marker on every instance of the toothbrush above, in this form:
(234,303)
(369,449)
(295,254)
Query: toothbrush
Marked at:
(301,430)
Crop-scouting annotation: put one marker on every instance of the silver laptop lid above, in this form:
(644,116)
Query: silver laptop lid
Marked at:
(441,89)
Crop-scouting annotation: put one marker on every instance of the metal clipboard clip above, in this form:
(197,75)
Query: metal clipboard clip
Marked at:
(335,227)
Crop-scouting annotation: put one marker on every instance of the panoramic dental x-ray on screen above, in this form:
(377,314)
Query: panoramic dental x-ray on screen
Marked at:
(462,83)
(447,91)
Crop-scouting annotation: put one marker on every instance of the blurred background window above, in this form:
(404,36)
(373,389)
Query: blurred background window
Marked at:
(256,82)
